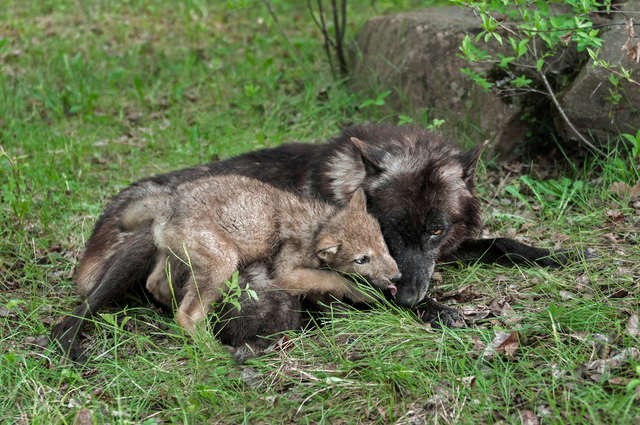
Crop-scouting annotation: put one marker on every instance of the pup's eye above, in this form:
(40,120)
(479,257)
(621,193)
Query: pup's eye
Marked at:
(362,259)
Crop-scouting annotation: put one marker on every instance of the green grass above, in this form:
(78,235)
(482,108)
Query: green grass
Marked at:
(94,95)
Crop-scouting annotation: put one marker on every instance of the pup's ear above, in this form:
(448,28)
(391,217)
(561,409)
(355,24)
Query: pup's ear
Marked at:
(327,247)
(371,156)
(358,201)
(469,160)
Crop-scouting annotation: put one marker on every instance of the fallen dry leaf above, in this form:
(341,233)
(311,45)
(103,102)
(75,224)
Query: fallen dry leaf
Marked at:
(633,325)
(463,294)
(526,226)
(628,27)
(134,116)
(251,377)
(41,341)
(436,277)
(83,417)
(472,314)
(527,417)
(543,410)
(503,343)
(467,381)
(619,293)
(500,278)
(615,215)
(583,283)
(478,345)
(624,271)
(560,238)
(618,380)
(566,295)
(622,189)
(601,366)
(501,308)
(632,44)
(619,188)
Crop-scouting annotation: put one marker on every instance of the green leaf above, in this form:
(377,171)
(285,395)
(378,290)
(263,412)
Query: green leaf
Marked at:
(435,124)
(252,294)
(522,47)
(521,82)
(519,46)
(505,61)
(234,302)
(471,52)
(378,101)
(477,78)
(630,137)
(593,54)
(13,303)
(110,318)
(635,143)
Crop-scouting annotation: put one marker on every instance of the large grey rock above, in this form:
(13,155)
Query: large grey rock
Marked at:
(415,55)
(587,101)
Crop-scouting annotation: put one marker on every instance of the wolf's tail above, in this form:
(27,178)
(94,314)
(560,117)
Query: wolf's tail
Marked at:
(121,273)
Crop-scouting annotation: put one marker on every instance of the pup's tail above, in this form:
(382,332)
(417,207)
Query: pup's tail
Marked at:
(145,210)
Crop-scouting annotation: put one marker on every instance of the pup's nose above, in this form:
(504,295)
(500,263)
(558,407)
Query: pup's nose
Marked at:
(396,277)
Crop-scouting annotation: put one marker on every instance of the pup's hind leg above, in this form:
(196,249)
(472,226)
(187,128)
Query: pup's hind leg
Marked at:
(157,282)
(213,259)
(198,297)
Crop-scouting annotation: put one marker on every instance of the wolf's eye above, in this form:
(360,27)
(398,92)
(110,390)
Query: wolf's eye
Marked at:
(436,232)
(362,259)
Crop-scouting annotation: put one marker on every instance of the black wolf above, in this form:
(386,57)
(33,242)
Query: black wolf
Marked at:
(419,186)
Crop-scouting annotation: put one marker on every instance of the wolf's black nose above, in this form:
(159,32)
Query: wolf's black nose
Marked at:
(396,277)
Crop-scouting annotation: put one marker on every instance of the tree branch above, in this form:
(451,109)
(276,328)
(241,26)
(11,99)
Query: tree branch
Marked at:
(565,117)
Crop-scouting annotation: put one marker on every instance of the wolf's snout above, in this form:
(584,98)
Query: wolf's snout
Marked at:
(396,277)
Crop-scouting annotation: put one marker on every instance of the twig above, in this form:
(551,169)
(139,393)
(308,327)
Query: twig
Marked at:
(339,26)
(292,50)
(322,26)
(339,23)
(565,117)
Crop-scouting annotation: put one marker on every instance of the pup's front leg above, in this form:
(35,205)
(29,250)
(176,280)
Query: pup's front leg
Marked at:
(302,281)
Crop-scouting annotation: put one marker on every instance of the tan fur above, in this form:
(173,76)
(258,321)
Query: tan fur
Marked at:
(87,274)
(90,269)
(220,224)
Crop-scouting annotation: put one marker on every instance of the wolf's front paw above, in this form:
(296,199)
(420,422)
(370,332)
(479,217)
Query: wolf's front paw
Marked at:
(439,315)
(564,257)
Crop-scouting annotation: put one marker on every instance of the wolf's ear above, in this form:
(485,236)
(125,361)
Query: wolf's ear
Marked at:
(327,247)
(358,201)
(469,160)
(371,156)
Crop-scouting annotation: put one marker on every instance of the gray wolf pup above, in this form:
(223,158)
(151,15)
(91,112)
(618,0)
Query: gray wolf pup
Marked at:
(419,186)
(221,224)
